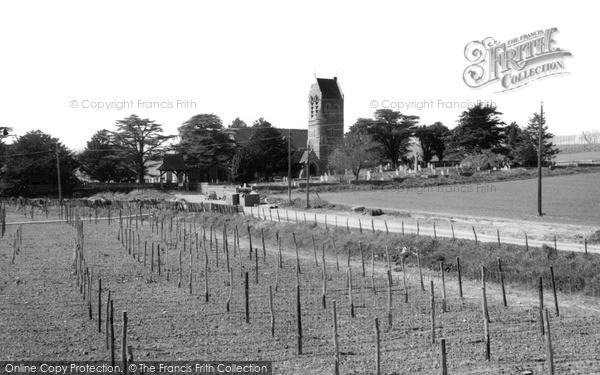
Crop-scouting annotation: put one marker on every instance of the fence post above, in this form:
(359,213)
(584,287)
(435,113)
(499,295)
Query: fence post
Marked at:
(554,291)
(299,319)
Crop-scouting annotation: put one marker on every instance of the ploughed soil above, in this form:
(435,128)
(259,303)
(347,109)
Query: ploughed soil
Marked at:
(43,315)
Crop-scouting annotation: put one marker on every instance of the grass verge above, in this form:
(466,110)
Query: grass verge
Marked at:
(574,272)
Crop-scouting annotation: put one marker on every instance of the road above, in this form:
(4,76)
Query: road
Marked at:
(395,225)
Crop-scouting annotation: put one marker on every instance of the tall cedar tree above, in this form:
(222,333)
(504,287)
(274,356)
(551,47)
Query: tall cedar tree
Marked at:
(142,141)
(102,160)
(204,143)
(432,139)
(529,145)
(268,149)
(479,128)
(391,130)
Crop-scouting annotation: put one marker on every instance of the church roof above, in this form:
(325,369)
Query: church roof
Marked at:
(173,162)
(329,88)
(299,136)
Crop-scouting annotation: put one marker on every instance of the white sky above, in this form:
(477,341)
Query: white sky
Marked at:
(257,59)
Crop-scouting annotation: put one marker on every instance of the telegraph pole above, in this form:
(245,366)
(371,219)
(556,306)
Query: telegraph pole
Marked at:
(58,177)
(289,176)
(540,144)
(307,176)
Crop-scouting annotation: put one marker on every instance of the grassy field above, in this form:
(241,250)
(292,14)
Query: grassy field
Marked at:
(566,199)
(43,315)
(586,155)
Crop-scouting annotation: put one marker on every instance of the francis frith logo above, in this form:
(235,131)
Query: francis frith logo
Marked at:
(514,63)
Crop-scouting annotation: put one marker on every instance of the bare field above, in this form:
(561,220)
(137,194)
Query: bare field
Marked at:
(43,315)
(566,199)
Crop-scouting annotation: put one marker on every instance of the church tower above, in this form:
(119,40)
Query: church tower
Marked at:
(325,118)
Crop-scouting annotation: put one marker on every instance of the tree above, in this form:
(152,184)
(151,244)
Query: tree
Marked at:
(242,167)
(102,160)
(389,129)
(238,123)
(204,144)
(31,162)
(268,149)
(355,152)
(432,139)
(261,123)
(479,128)
(142,142)
(528,149)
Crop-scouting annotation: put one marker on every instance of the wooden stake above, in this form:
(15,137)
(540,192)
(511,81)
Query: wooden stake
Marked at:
(228,303)
(256,266)
(501,273)
(373,271)
(377,349)
(191,272)
(443,286)
(112,334)
(299,320)
(107,321)
(443,352)
(297,256)
(541,304)
(124,344)
(404,279)
(475,234)
(420,272)
(337,261)
(389,305)
(526,243)
(315,251)
(99,305)
(336,349)
(206,294)
(323,299)
(271,307)
(262,234)
(484,296)
(362,258)
(460,289)
(277,268)
(486,326)
(432,314)
(246,297)
(549,344)
(554,291)
(350,292)
(250,241)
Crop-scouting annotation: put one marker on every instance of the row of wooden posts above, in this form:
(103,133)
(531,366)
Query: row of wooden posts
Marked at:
(360,226)
(124,235)
(84,282)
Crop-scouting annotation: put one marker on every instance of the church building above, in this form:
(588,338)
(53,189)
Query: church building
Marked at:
(325,119)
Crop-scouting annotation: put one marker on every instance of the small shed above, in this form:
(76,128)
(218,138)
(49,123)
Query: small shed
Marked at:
(174,163)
